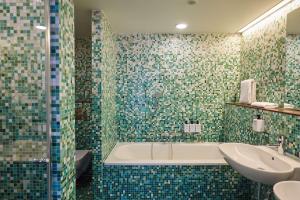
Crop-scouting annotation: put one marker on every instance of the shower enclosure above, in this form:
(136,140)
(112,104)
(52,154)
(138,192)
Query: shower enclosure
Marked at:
(24,99)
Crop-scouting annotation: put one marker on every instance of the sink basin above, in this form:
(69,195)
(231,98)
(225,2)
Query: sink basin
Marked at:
(255,163)
(287,190)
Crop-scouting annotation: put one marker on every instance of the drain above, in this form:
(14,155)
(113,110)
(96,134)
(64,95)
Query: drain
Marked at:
(260,168)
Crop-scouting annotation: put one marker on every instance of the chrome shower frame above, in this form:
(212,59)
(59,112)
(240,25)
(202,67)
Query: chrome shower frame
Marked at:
(48,94)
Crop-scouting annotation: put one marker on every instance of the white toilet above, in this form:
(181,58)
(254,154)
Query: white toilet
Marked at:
(287,190)
(83,161)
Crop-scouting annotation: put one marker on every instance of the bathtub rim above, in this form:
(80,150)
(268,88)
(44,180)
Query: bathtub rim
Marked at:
(213,162)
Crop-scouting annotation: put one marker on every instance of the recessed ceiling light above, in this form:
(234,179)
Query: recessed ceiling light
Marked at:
(192,2)
(181,26)
(41,27)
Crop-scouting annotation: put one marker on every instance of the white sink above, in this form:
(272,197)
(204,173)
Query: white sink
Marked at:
(287,190)
(256,163)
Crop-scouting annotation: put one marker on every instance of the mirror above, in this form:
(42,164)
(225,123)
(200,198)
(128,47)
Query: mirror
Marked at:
(292,74)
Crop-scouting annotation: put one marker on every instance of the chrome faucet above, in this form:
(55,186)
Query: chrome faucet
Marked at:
(278,147)
(281,147)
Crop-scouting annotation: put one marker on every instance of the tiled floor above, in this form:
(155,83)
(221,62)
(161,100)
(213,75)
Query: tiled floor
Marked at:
(84,186)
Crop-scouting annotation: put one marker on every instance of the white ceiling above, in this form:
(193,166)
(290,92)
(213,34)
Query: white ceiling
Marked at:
(161,16)
(293,21)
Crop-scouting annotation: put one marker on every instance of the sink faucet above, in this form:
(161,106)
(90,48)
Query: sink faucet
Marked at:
(278,147)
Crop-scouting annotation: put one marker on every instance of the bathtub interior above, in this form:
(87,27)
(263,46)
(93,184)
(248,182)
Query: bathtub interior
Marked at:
(130,151)
(165,154)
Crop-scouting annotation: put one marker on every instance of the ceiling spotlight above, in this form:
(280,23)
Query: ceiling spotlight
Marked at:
(181,26)
(192,2)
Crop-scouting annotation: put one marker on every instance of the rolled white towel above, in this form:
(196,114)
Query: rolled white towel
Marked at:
(289,106)
(248,91)
(271,105)
(265,104)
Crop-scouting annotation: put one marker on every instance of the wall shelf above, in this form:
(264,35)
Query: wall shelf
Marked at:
(287,111)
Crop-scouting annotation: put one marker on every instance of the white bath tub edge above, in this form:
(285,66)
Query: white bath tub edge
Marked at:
(144,148)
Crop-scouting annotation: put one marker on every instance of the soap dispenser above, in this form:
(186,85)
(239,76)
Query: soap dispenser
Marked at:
(192,126)
(186,127)
(258,124)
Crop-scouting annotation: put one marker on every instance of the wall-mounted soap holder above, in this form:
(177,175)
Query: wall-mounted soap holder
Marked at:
(192,127)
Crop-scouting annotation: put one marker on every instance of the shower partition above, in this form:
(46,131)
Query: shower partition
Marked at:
(24,100)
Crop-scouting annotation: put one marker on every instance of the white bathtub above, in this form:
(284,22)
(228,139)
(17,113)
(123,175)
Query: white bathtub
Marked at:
(165,154)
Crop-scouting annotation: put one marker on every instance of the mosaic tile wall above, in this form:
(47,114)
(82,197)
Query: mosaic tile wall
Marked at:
(263,55)
(63,99)
(83,92)
(165,79)
(175,182)
(238,128)
(24,180)
(266,56)
(263,59)
(292,74)
(103,117)
(23,135)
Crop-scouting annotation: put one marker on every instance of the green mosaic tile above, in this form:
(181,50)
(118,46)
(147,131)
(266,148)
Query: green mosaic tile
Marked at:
(175,182)
(83,92)
(238,128)
(103,115)
(83,126)
(263,59)
(23,180)
(83,72)
(23,136)
(165,79)
(268,55)
(292,74)
(67,98)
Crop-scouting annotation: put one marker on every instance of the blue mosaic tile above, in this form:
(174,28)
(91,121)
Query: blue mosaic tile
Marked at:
(62,99)
(175,182)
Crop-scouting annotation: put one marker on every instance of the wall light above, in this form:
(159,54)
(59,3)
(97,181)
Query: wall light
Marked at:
(181,26)
(41,27)
(267,14)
